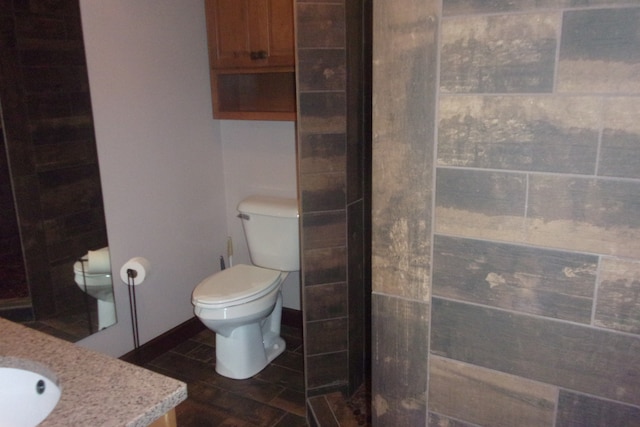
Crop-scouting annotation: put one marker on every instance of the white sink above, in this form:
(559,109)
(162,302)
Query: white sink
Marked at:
(28,393)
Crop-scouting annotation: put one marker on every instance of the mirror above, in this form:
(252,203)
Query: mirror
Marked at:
(54,259)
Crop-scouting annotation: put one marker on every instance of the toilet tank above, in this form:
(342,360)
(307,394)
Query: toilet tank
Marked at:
(271,227)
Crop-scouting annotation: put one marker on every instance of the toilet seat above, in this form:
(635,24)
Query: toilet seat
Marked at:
(234,286)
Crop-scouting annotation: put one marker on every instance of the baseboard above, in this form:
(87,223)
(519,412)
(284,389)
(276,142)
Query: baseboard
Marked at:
(154,348)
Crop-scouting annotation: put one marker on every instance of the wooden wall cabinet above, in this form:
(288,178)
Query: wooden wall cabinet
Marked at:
(252,57)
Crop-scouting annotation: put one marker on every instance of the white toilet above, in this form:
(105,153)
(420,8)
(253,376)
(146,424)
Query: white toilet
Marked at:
(92,274)
(243,304)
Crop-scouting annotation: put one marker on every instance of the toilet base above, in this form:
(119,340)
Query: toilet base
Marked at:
(249,348)
(244,353)
(106,314)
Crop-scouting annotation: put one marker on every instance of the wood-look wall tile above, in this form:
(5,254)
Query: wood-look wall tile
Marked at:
(584,214)
(68,248)
(7,33)
(580,358)
(326,265)
(618,299)
(40,27)
(51,54)
(326,336)
(320,25)
(64,191)
(470,7)
(575,410)
(56,156)
(620,151)
(55,79)
(56,8)
(66,129)
(480,204)
(399,362)
(479,54)
(439,420)
(531,280)
(47,106)
(401,249)
(76,225)
(600,51)
(405,50)
(326,370)
(6,5)
(544,134)
(324,229)
(322,112)
(321,69)
(322,153)
(326,301)
(322,191)
(488,398)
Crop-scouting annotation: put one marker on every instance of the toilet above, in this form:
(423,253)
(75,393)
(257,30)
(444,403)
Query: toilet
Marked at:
(243,304)
(92,274)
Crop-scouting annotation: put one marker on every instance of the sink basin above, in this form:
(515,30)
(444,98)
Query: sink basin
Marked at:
(28,393)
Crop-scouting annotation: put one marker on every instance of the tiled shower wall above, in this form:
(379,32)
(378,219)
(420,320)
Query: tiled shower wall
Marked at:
(506,213)
(48,126)
(332,169)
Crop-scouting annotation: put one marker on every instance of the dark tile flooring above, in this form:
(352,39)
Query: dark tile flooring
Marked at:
(336,410)
(272,398)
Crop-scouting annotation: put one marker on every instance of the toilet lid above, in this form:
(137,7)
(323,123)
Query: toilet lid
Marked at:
(236,283)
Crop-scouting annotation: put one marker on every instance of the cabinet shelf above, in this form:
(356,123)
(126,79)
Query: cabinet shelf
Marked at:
(264,94)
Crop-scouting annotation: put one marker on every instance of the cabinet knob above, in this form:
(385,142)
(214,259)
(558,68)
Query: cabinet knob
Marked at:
(261,54)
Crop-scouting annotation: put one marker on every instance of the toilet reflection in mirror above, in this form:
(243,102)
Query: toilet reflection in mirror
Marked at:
(92,274)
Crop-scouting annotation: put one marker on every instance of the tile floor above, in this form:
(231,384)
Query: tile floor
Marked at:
(334,410)
(272,398)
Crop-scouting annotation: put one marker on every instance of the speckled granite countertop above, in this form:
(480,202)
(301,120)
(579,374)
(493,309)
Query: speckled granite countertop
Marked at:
(97,390)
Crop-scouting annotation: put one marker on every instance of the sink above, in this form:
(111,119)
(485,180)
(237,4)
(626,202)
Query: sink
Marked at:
(28,392)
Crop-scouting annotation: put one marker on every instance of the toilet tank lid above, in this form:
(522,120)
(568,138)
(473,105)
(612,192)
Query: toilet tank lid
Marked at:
(269,206)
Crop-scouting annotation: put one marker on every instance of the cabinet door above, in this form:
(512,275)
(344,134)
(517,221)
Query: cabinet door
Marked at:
(281,32)
(250,33)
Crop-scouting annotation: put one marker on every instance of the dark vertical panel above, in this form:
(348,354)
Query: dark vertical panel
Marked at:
(399,362)
(405,71)
(358,342)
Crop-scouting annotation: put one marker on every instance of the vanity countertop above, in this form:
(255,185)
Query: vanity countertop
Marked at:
(97,390)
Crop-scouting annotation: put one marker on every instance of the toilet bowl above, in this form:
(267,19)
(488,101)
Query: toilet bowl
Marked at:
(243,304)
(98,285)
(92,274)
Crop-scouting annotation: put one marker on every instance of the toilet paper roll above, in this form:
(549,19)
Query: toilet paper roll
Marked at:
(98,262)
(139,265)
